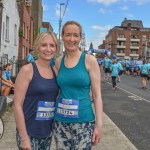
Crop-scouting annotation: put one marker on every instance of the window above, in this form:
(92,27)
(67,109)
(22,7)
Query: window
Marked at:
(121,36)
(120,50)
(15,34)
(133,51)
(134,36)
(134,44)
(121,43)
(23,28)
(27,38)
(23,52)
(7,29)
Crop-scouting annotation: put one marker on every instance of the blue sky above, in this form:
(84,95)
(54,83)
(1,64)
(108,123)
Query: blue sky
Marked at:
(96,16)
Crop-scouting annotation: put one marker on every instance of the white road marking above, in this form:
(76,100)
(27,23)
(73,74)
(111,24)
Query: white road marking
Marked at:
(137,97)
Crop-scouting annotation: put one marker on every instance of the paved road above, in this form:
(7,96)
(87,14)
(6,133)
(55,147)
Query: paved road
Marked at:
(129,108)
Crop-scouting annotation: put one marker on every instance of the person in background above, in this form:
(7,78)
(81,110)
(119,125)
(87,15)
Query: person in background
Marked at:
(114,73)
(144,74)
(127,64)
(75,126)
(121,70)
(107,65)
(35,95)
(5,85)
(7,75)
(148,78)
(30,57)
(135,70)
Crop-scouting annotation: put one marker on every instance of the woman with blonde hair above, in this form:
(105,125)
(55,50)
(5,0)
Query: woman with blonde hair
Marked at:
(35,95)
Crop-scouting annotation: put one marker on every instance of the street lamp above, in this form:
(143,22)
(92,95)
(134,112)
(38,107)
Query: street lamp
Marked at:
(60,21)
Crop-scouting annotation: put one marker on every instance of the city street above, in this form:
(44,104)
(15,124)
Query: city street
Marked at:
(128,107)
(128,110)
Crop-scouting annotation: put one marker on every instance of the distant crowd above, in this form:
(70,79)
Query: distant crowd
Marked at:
(114,68)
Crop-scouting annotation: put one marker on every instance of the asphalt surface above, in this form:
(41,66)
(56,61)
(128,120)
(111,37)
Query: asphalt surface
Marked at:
(128,107)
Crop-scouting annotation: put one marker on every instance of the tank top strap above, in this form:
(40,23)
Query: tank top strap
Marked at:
(82,60)
(53,71)
(62,61)
(35,69)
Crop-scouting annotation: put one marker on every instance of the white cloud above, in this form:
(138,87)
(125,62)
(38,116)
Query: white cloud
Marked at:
(104,2)
(109,2)
(103,34)
(45,7)
(141,2)
(98,40)
(125,7)
(62,10)
(104,11)
(58,10)
(97,27)
(95,41)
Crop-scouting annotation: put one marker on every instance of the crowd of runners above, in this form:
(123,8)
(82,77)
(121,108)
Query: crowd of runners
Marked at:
(114,68)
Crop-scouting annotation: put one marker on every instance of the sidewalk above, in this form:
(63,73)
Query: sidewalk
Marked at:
(112,138)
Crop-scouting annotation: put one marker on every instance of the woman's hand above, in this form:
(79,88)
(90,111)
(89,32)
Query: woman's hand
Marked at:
(96,135)
(26,144)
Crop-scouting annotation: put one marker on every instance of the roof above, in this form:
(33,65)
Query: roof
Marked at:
(133,23)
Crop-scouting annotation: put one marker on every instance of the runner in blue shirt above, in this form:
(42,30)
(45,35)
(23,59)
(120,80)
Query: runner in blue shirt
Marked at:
(144,74)
(107,65)
(128,64)
(120,70)
(30,57)
(114,73)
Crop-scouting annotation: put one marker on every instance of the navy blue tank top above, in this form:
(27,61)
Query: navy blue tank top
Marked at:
(39,104)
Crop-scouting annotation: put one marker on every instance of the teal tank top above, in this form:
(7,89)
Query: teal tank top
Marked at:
(74,84)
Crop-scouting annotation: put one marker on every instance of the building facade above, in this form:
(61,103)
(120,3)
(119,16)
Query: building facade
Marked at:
(10,23)
(127,41)
(37,13)
(46,26)
(25,30)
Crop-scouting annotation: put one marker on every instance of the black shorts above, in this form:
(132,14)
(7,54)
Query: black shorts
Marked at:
(127,69)
(144,75)
(107,70)
(120,72)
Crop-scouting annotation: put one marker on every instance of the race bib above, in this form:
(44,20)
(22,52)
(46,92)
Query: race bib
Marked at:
(45,110)
(68,108)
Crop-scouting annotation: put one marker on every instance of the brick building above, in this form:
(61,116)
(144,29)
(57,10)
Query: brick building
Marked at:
(128,40)
(37,13)
(26,29)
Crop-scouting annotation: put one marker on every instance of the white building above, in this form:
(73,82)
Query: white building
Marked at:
(10,23)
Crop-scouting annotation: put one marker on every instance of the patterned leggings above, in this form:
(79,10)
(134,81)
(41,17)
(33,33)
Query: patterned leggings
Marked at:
(36,143)
(73,136)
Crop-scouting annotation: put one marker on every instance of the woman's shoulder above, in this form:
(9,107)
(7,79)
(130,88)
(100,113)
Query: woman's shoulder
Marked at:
(58,62)
(90,61)
(90,58)
(26,68)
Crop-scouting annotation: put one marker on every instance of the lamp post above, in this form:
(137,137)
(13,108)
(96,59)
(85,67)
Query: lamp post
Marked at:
(60,21)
